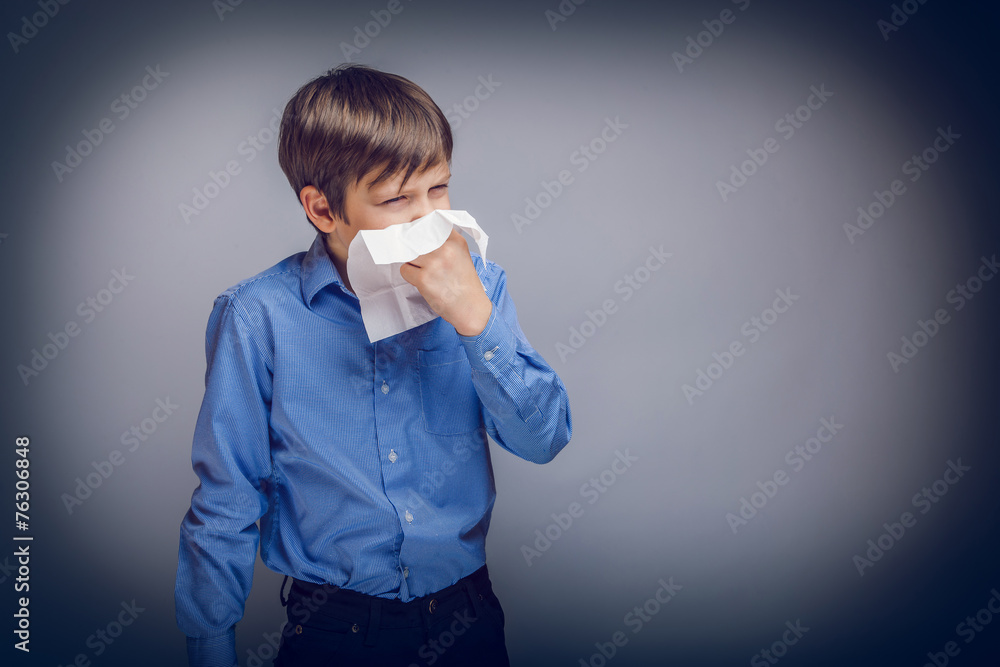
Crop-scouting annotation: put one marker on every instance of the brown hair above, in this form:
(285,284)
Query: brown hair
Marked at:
(355,119)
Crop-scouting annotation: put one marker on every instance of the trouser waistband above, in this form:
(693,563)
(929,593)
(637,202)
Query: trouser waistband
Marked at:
(309,602)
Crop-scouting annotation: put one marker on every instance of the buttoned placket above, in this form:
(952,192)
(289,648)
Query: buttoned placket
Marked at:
(380,368)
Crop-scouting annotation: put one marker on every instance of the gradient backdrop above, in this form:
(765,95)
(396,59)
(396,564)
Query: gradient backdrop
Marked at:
(741,138)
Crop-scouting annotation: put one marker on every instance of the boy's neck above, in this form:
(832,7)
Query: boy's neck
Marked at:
(338,262)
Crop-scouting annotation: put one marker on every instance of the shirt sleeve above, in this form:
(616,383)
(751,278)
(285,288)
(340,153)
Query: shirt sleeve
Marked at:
(526,406)
(231,456)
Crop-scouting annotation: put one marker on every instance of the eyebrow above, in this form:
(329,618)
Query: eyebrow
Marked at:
(381,190)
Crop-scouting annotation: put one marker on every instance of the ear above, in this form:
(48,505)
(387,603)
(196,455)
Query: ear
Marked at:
(318,209)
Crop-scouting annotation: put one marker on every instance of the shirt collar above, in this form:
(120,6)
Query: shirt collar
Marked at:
(318,271)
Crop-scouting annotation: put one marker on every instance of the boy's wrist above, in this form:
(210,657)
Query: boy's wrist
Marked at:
(474,319)
(492,348)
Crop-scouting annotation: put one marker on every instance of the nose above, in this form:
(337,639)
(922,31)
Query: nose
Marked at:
(422,207)
(424,204)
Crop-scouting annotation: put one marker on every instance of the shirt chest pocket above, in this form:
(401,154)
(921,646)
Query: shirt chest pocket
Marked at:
(448,399)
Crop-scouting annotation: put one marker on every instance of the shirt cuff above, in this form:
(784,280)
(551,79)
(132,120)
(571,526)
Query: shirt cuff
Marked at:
(493,348)
(217,651)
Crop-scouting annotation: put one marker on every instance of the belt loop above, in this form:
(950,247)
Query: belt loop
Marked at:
(374,618)
(474,597)
(281,592)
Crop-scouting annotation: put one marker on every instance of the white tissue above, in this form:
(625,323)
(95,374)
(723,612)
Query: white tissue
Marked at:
(389,304)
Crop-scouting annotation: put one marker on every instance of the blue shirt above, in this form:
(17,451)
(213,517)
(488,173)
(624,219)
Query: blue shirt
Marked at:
(367,464)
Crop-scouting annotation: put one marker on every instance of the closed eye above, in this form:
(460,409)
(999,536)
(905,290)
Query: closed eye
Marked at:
(439,188)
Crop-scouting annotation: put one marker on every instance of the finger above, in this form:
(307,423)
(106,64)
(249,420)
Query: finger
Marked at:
(409,272)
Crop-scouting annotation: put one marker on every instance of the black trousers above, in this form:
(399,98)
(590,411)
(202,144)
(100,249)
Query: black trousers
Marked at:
(460,625)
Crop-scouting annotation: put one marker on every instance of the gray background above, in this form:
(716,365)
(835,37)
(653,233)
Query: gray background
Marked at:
(655,185)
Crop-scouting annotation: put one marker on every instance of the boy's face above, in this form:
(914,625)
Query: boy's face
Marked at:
(388,203)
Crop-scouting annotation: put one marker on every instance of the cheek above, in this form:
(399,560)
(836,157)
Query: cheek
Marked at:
(394,218)
(379,219)
(346,236)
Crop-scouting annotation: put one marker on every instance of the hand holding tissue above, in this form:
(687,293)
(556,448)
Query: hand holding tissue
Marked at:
(390,304)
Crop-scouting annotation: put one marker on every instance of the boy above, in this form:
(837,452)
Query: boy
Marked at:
(367,464)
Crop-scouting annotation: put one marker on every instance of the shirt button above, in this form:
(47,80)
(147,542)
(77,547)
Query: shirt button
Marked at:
(392,456)
(385,387)
(406,572)
(487,355)
(355,628)
(409,517)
